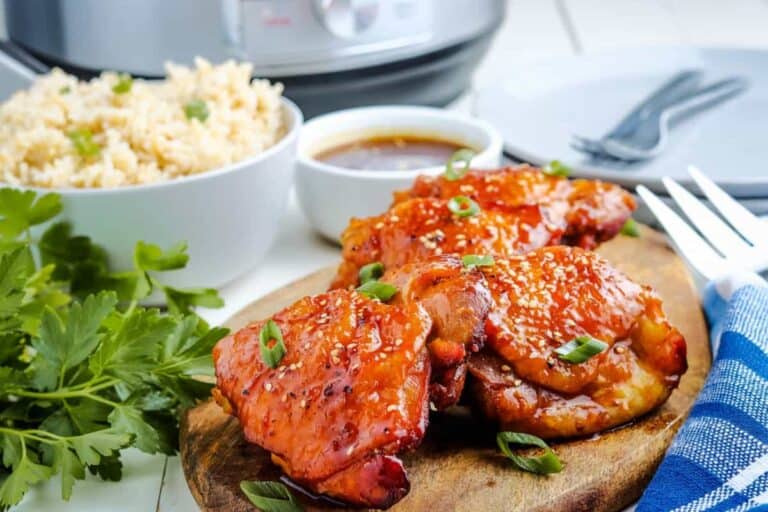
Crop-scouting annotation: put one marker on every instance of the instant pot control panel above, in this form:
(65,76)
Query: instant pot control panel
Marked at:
(280,37)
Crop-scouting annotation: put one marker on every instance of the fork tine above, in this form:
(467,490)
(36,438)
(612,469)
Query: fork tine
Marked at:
(750,227)
(698,252)
(719,234)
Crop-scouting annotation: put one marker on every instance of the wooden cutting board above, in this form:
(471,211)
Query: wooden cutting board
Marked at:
(458,467)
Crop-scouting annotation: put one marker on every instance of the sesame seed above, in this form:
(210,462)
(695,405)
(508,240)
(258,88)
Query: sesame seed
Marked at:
(620,350)
(350,450)
(303,404)
(379,225)
(506,368)
(391,408)
(335,360)
(268,386)
(398,342)
(432,406)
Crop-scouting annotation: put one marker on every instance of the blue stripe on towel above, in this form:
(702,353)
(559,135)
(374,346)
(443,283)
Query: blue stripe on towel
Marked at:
(719,458)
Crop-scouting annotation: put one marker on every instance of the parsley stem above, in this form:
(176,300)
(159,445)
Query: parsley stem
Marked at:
(97,398)
(26,434)
(64,393)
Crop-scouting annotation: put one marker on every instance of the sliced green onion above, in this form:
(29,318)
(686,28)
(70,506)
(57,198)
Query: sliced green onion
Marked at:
(557,168)
(463,155)
(196,109)
(270,496)
(580,349)
(630,228)
(123,85)
(83,142)
(377,290)
(473,260)
(542,465)
(65,90)
(463,206)
(272,353)
(370,272)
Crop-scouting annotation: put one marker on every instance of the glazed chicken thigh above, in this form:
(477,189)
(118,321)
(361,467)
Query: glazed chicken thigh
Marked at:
(592,211)
(519,209)
(418,229)
(350,393)
(457,300)
(543,300)
(353,387)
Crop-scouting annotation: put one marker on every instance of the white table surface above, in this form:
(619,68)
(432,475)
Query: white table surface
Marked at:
(533,30)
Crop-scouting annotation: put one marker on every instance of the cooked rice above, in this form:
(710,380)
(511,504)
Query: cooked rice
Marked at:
(144,135)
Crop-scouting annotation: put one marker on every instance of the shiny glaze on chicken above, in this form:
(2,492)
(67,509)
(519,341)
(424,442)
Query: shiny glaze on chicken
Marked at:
(350,393)
(418,229)
(548,297)
(457,300)
(592,211)
(353,388)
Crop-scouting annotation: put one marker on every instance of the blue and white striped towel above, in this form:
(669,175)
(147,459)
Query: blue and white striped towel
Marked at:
(719,459)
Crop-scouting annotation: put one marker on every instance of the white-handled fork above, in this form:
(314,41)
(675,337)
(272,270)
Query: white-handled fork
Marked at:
(735,252)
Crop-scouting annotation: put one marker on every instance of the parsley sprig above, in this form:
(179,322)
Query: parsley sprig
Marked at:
(85,370)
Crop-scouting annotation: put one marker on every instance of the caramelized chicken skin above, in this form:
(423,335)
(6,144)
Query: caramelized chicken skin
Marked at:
(417,229)
(457,300)
(545,299)
(593,211)
(350,393)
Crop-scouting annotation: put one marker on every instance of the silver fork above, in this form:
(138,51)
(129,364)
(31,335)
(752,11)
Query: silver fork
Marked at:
(737,247)
(649,136)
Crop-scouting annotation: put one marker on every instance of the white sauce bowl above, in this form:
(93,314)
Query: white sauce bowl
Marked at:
(331,195)
(228,216)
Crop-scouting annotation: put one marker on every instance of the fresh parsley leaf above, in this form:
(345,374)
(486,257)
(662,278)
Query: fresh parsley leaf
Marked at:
(67,463)
(15,268)
(19,210)
(25,473)
(12,450)
(110,468)
(85,371)
(91,446)
(129,420)
(152,257)
(88,415)
(186,352)
(129,350)
(183,302)
(64,345)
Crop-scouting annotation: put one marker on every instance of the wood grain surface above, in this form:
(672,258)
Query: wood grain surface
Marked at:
(458,467)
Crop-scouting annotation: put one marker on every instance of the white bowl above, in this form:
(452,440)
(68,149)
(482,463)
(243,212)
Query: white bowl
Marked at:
(228,216)
(331,195)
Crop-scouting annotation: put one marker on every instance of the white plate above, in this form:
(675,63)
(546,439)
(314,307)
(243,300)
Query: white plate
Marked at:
(538,108)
